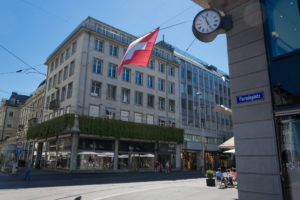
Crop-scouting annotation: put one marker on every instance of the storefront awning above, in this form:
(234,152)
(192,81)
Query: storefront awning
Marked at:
(230,151)
(228,144)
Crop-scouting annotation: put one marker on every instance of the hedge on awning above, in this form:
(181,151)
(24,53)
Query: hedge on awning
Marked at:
(106,127)
(122,129)
(51,127)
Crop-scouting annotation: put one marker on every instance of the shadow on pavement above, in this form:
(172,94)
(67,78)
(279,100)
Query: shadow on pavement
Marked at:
(43,178)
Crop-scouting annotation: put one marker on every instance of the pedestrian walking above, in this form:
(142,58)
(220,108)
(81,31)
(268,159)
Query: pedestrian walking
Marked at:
(156,166)
(28,172)
(167,166)
(160,166)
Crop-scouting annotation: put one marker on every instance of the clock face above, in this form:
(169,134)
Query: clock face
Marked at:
(207,21)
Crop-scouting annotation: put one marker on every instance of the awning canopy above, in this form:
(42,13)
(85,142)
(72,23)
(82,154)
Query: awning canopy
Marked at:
(228,144)
(230,151)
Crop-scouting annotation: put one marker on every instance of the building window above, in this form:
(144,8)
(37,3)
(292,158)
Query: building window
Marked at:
(162,122)
(111,92)
(69,93)
(61,59)
(161,84)
(150,119)
(283,26)
(189,90)
(172,123)
(124,115)
(72,68)
(54,80)
(189,75)
(68,109)
(98,45)
(161,103)
(50,84)
(74,47)
(11,114)
(52,67)
(97,66)
(8,124)
(139,98)
(126,74)
(151,64)
(110,113)
(182,88)
(67,53)
(150,82)
(66,70)
(171,105)
(61,113)
(56,63)
(112,70)
(171,87)
(161,67)
(60,76)
(96,89)
(94,111)
(171,71)
(63,94)
(125,95)
(113,50)
(139,78)
(47,102)
(138,117)
(150,101)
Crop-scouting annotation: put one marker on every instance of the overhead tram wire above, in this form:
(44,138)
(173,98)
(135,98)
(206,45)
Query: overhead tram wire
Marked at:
(178,14)
(33,68)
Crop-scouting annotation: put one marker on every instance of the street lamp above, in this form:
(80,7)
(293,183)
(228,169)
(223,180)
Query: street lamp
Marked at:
(203,144)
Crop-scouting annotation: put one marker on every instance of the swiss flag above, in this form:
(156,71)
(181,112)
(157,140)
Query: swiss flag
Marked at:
(139,51)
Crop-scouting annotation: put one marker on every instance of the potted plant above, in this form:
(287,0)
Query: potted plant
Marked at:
(209,178)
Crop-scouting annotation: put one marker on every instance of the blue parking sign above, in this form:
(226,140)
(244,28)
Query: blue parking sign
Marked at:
(19,151)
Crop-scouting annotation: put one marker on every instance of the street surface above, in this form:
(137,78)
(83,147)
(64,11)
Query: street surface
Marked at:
(111,186)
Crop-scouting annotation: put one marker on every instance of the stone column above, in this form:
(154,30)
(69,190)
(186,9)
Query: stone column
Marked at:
(75,139)
(116,153)
(178,157)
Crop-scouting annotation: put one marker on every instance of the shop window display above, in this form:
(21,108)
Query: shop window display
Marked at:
(95,154)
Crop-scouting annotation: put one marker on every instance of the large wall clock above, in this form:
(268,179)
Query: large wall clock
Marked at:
(208,23)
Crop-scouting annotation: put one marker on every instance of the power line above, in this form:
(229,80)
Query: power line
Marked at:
(3,47)
(176,24)
(178,14)
(45,11)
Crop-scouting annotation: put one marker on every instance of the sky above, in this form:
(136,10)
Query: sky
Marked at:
(32,29)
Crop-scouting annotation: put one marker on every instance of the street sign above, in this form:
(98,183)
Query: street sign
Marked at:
(250,97)
(19,151)
(19,146)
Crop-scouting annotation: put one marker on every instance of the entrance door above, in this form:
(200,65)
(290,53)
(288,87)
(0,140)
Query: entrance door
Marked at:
(289,145)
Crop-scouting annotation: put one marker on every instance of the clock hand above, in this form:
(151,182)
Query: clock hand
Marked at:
(208,23)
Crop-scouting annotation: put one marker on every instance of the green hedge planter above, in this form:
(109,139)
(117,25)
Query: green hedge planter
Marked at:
(106,127)
(51,128)
(122,129)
